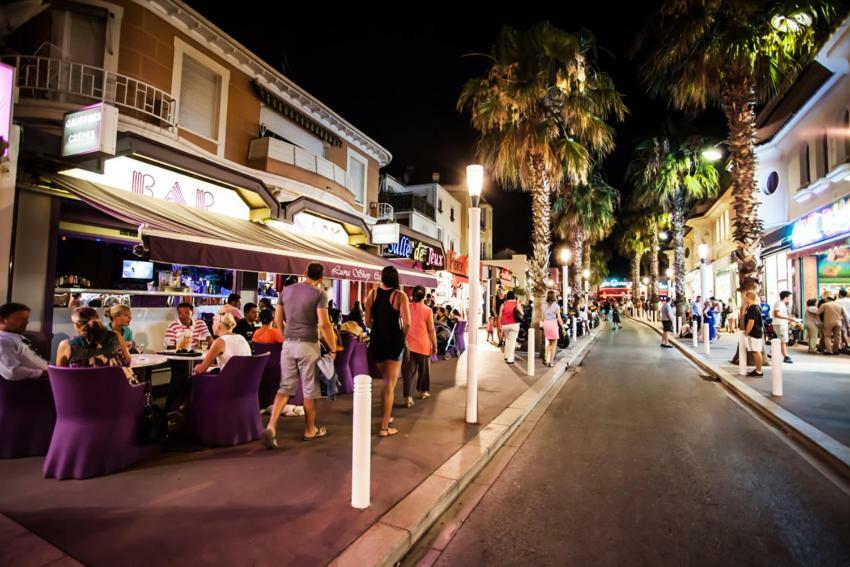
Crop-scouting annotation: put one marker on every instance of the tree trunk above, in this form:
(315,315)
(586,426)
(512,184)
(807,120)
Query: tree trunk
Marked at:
(653,267)
(578,257)
(635,278)
(738,107)
(541,236)
(678,221)
(586,259)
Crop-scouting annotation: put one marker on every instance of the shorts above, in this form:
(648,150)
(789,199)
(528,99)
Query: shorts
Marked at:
(754,344)
(298,365)
(781,332)
(667,326)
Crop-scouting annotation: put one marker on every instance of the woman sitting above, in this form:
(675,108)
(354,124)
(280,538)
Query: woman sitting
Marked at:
(119,321)
(267,334)
(227,345)
(94,346)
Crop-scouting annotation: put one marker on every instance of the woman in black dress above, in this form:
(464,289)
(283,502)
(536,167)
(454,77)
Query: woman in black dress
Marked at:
(388,316)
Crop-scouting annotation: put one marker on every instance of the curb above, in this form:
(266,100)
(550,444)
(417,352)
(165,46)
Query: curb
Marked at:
(395,533)
(831,451)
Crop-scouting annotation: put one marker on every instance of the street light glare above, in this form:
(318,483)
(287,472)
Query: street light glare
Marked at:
(565,255)
(663,235)
(586,274)
(702,250)
(712,154)
(474,179)
(669,273)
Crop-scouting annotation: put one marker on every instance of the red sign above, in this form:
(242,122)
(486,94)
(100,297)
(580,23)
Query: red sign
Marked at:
(457,263)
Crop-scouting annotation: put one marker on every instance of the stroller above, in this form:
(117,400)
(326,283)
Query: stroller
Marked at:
(445,340)
(456,343)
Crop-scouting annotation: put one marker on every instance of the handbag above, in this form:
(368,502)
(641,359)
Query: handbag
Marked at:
(518,315)
(152,425)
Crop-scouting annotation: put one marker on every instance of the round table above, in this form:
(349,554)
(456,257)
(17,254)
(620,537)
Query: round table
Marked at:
(146,360)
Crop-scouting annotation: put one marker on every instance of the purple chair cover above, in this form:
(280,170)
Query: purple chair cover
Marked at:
(271,375)
(97,412)
(360,359)
(223,407)
(27,417)
(460,339)
(342,363)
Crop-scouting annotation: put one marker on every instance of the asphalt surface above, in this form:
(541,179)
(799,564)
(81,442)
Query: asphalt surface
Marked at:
(640,461)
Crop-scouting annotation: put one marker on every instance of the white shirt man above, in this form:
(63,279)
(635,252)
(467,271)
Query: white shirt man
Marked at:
(17,359)
(781,320)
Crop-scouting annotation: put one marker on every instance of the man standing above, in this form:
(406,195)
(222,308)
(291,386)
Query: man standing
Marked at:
(666,323)
(834,319)
(302,313)
(781,321)
(754,331)
(844,302)
(18,361)
(248,324)
(696,314)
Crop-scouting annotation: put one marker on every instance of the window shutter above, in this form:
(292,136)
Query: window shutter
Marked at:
(199,98)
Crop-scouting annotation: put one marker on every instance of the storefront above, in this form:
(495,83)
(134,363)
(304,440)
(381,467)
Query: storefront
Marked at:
(416,252)
(820,251)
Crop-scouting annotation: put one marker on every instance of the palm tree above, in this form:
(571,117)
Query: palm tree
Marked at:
(653,222)
(672,174)
(734,53)
(633,242)
(540,111)
(585,215)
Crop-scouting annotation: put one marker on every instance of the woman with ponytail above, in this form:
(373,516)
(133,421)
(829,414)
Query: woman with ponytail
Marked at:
(95,345)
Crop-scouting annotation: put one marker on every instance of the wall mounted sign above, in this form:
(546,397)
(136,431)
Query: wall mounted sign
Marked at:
(90,130)
(822,224)
(7,99)
(457,263)
(312,225)
(430,257)
(144,179)
(387,233)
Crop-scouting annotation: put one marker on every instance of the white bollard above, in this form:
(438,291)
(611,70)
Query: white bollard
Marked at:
(530,369)
(706,339)
(742,354)
(472,384)
(694,333)
(776,367)
(575,329)
(678,326)
(361,442)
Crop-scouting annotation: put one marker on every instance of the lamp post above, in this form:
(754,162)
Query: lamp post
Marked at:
(565,272)
(474,183)
(702,250)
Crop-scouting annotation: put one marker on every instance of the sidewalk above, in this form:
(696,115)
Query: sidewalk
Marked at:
(248,506)
(816,388)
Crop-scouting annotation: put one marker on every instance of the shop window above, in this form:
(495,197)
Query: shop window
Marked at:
(357,169)
(805,166)
(201,93)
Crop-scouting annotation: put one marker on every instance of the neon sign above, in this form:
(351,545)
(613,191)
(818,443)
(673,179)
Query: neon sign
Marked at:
(412,249)
(90,130)
(822,224)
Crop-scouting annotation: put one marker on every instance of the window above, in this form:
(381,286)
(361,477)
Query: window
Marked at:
(274,124)
(440,206)
(452,214)
(772,183)
(822,157)
(85,32)
(451,244)
(201,93)
(805,166)
(358,167)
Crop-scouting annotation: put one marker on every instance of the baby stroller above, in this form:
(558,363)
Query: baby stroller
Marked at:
(445,339)
(456,343)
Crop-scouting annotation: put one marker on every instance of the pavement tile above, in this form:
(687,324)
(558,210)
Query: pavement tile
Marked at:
(489,436)
(464,464)
(28,550)
(379,541)
(508,417)
(426,502)
(525,401)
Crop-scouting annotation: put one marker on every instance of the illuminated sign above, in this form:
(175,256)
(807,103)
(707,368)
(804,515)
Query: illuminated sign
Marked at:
(428,256)
(144,179)
(90,130)
(822,224)
(7,99)
(457,263)
(311,225)
(385,233)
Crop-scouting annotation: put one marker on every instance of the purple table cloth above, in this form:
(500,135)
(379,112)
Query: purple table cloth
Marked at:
(27,417)
(223,407)
(342,364)
(97,412)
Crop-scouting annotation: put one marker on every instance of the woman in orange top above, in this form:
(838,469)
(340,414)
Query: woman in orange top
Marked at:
(267,334)
(421,344)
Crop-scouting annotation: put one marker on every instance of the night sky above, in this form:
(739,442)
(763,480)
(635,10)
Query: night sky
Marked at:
(396,75)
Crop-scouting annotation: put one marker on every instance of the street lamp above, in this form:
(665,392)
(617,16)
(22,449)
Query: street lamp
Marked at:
(474,183)
(565,260)
(670,291)
(712,154)
(702,251)
(663,235)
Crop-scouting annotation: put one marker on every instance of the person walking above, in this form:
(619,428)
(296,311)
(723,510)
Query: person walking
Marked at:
(813,325)
(781,322)
(708,319)
(731,316)
(666,323)
(552,326)
(388,315)
(509,318)
(696,314)
(302,313)
(615,316)
(754,330)
(422,343)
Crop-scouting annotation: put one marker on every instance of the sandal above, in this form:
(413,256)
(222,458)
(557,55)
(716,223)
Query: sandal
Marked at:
(425,395)
(409,402)
(321,432)
(389,431)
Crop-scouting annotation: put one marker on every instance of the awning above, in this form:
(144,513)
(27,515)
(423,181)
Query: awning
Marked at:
(178,234)
(820,247)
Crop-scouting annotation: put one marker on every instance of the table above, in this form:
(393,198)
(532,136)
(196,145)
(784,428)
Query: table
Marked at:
(178,388)
(146,360)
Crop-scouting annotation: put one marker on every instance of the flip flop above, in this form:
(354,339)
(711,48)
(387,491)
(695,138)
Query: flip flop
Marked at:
(388,432)
(321,432)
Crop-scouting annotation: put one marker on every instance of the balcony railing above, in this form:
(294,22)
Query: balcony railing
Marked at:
(66,81)
(272,148)
(402,202)
(384,211)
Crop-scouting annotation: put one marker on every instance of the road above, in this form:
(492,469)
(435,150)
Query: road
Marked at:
(641,461)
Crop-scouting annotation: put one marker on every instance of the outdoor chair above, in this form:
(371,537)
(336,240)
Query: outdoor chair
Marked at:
(342,364)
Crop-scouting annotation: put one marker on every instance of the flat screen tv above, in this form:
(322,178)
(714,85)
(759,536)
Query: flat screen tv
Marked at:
(137,270)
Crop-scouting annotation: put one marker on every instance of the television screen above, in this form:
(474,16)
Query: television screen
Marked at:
(136,270)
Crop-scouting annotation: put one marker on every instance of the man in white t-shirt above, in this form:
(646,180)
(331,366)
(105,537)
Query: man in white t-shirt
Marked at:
(781,321)
(844,302)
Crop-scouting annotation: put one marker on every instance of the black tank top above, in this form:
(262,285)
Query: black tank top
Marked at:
(386,341)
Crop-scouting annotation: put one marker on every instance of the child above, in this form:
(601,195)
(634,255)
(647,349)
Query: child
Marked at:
(490,328)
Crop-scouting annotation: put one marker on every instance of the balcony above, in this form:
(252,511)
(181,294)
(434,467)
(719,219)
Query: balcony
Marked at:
(58,80)
(383,211)
(406,202)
